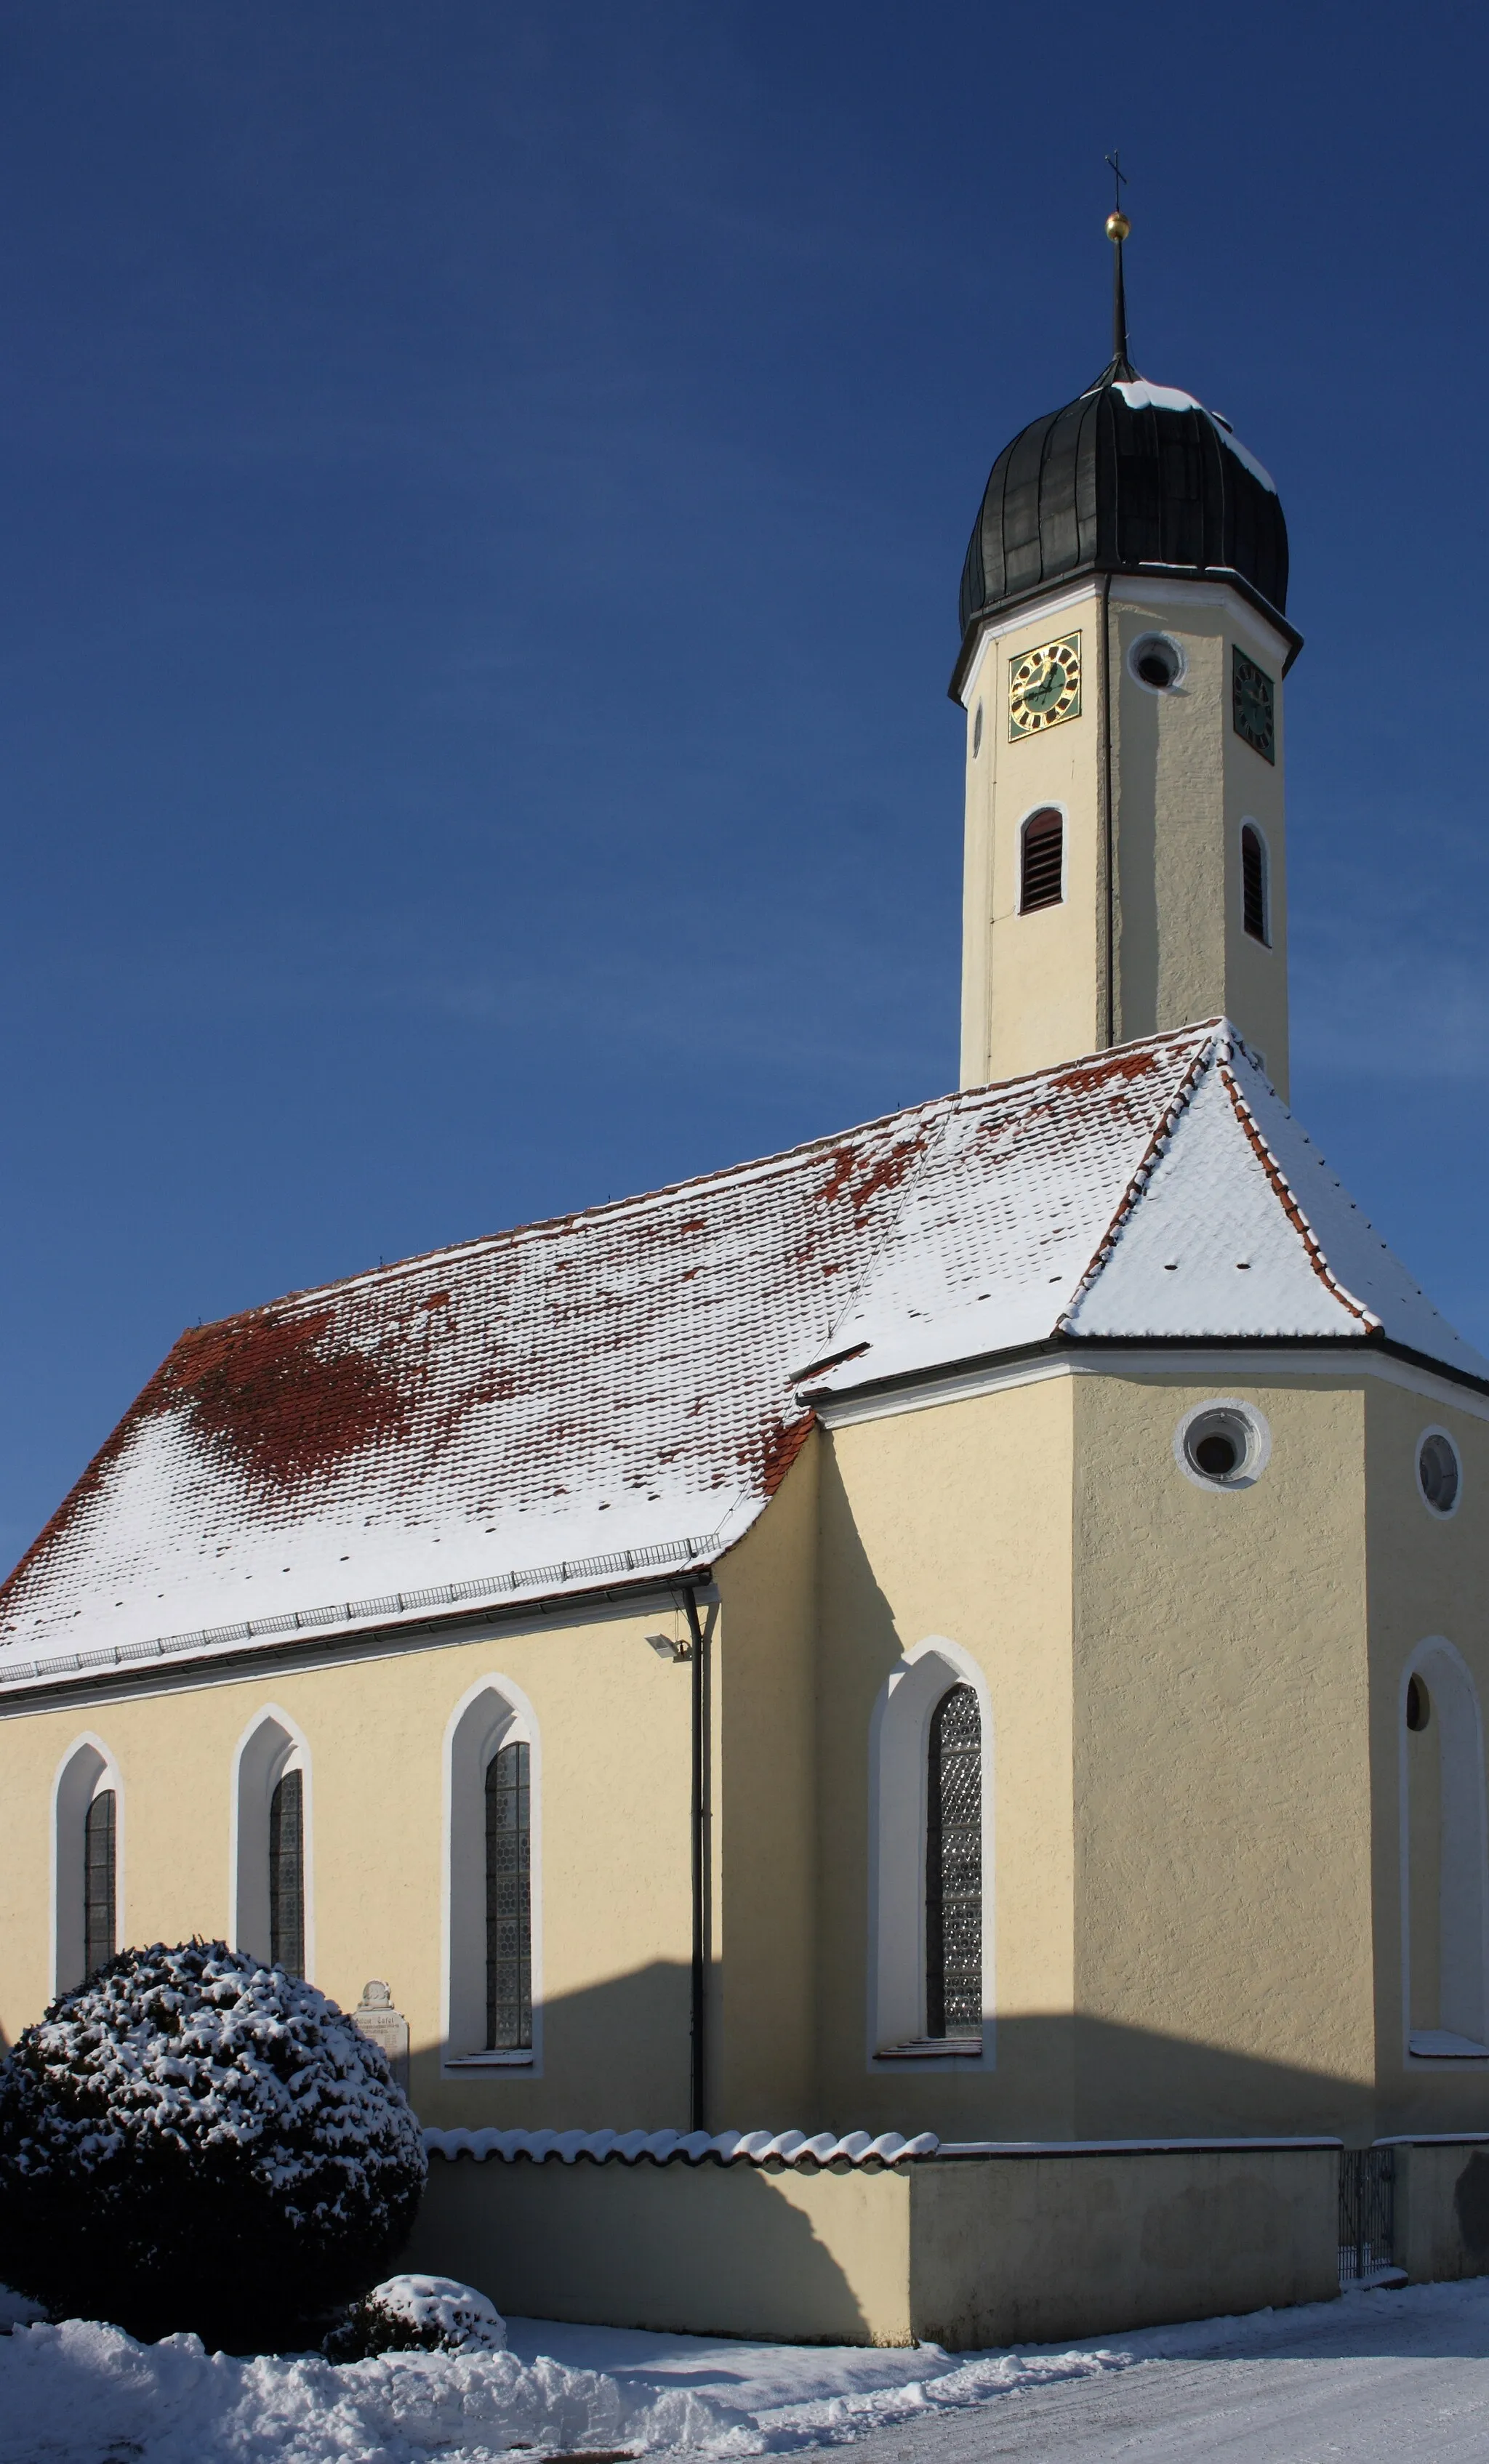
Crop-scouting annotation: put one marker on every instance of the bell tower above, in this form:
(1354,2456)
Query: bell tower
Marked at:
(1124,646)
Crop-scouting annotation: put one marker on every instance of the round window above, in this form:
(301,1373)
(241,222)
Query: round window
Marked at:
(1438,1470)
(1420,1704)
(1222,1446)
(1156,662)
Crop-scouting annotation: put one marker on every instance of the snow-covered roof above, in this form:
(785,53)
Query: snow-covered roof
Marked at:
(617,1393)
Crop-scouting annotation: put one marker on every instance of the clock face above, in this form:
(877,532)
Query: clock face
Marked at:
(1252,710)
(1044,687)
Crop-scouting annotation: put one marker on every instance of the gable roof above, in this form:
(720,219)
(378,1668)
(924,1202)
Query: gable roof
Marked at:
(582,1401)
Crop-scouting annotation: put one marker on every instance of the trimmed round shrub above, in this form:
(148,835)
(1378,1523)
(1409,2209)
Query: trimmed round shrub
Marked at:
(418,2314)
(193,2141)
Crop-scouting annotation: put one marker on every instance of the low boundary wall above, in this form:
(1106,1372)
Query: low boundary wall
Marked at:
(845,2241)
(1441,2207)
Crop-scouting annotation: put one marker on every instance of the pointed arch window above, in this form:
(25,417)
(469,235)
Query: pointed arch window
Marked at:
(954,1868)
(87,1863)
(1041,874)
(99,1880)
(273,1898)
(509,1901)
(492,1995)
(1255,916)
(287,1874)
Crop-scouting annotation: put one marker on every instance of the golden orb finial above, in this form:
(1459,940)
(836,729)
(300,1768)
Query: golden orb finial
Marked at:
(1117,227)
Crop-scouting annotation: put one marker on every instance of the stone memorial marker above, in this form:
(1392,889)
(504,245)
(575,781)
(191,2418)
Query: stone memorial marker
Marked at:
(387,2028)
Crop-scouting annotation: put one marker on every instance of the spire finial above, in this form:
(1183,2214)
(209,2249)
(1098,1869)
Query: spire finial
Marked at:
(1117,227)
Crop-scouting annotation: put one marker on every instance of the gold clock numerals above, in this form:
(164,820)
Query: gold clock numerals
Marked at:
(1044,687)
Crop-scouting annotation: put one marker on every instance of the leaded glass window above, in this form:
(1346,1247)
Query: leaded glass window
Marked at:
(508,1902)
(99,1870)
(954,1868)
(287,1874)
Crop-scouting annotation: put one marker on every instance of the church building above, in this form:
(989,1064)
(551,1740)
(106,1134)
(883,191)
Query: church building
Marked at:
(976,1626)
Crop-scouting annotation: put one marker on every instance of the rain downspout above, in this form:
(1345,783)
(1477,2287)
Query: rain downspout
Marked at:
(702,1864)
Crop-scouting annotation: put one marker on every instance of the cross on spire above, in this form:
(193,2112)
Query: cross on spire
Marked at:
(1117,227)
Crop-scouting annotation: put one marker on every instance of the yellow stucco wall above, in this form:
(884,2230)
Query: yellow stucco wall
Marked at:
(971,2253)
(953,1522)
(1194,1762)
(1426,1577)
(614,1722)
(1035,987)
(1224,1918)
(708,2250)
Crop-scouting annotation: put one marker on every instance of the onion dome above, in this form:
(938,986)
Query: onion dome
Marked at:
(1130,477)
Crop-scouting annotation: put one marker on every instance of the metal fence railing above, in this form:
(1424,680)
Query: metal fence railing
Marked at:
(1367,2211)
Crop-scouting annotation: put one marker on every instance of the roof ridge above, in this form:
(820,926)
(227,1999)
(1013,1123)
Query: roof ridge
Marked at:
(1283,1189)
(548,1226)
(1219,1033)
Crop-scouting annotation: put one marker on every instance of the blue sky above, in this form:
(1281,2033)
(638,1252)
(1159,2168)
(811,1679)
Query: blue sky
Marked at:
(483,496)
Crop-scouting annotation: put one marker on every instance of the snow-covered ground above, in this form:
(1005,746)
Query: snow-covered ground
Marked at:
(1393,2375)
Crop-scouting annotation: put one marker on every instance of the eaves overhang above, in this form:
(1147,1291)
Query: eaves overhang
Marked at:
(1336,1350)
(1092,570)
(122,1667)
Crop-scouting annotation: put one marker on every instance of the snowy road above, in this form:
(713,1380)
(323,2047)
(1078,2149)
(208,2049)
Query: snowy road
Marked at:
(1401,2375)
(1375,2376)
(1364,2396)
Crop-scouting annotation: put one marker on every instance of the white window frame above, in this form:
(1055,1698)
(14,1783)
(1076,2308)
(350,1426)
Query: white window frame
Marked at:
(1437,1513)
(270,1745)
(1248,821)
(898,1772)
(492,1713)
(86,1769)
(1463,1859)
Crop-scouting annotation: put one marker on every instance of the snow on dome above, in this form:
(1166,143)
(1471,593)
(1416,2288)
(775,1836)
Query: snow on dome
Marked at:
(1139,395)
(1130,477)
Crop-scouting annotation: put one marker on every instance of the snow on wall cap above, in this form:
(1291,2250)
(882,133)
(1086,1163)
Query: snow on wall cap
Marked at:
(692,2147)
(1139,395)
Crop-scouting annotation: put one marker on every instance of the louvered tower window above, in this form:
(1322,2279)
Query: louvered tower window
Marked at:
(99,1871)
(954,1868)
(1042,862)
(1254,884)
(508,1902)
(287,1874)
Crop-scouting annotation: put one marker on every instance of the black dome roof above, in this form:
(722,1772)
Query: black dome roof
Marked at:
(1130,477)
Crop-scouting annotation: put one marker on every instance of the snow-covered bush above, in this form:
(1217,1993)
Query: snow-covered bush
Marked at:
(193,2141)
(418,2314)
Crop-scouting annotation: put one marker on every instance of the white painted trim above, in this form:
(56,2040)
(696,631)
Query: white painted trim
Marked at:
(1175,684)
(1248,821)
(898,1736)
(520,1723)
(1470,1993)
(1203,1362)
(1034,611)
(1135,591)
(69,1804)
(1259,1445)
(1171,590)
(1437,1514)
(247,1833)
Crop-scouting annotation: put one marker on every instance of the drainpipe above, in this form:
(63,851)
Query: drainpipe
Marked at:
(702,1864)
